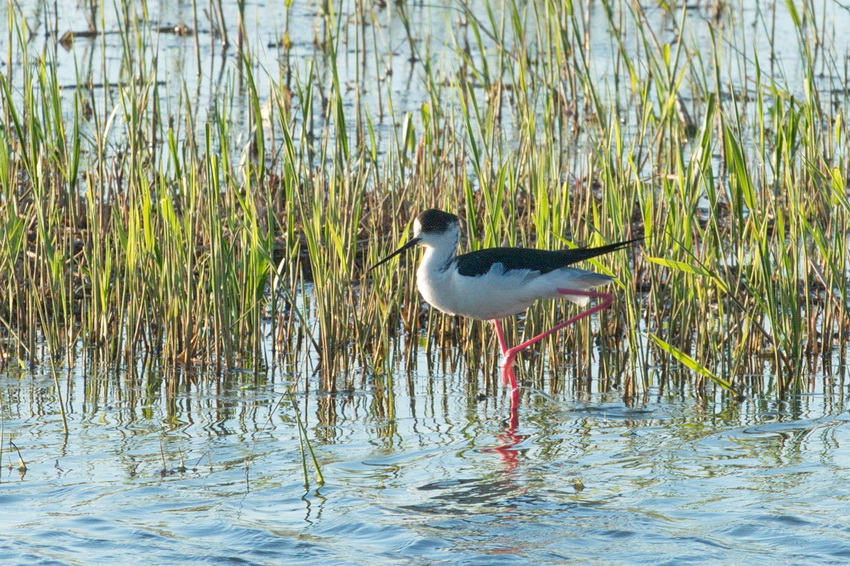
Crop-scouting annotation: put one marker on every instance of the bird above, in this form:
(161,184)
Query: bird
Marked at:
(494,283)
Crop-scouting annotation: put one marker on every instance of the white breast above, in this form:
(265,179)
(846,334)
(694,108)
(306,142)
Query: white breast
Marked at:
(498,294)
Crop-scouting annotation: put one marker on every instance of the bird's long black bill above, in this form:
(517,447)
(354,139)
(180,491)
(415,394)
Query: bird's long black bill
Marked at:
(406,246)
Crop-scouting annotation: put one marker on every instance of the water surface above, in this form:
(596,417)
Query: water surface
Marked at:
(421,476)
(417,470)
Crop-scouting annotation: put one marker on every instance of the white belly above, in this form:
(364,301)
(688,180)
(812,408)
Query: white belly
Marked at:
(497,294)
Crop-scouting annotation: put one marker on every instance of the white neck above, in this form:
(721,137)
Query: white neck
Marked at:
(439,251)
(434,278)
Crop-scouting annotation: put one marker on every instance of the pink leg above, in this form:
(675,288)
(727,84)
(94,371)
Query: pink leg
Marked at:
(605,300)
(501,336)
(509,377)
(507,371)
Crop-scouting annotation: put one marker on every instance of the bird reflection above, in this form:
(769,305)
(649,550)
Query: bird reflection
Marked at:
(508,440)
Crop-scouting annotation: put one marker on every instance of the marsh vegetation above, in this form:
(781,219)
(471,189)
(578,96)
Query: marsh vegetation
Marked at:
(190,197)
(216,208)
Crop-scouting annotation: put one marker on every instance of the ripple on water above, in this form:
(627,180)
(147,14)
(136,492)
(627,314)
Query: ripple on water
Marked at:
(669,483)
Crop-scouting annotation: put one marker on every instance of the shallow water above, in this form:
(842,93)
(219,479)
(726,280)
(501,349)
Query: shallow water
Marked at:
(198,79)
(424,475)
(421,472)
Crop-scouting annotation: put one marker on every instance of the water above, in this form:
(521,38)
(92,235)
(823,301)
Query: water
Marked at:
(198,78)
(421,474)
(417,470)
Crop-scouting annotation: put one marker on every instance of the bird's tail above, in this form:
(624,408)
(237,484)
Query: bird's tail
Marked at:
(579,254)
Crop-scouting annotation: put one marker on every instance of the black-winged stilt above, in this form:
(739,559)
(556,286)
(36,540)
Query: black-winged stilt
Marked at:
(495,283)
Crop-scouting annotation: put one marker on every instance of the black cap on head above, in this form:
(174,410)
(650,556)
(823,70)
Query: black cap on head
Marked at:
(435,221)
(432,221)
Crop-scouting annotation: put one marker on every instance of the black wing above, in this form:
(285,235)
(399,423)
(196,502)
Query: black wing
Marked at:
(544,261)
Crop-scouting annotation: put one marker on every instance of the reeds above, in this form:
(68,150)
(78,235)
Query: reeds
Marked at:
(135,223)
